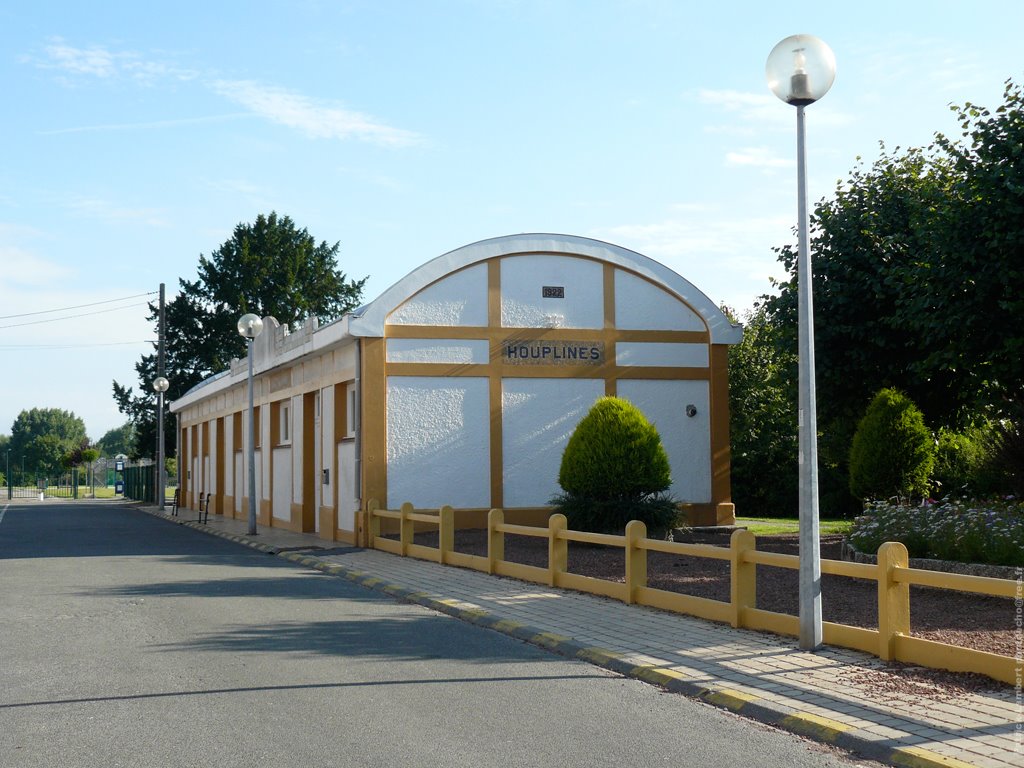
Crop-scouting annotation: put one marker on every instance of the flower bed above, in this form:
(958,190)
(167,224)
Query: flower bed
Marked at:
(951,529)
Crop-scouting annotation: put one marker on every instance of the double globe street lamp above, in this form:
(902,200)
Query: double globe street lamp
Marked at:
(250,326)
(800,70)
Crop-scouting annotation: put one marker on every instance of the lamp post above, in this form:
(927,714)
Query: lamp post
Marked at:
(160,384)
(250,326)
(800,71)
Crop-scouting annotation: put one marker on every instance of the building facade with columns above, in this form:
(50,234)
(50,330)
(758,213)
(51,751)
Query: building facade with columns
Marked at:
(461,385)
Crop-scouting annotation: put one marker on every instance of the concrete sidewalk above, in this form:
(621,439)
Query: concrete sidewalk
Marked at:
(842,697)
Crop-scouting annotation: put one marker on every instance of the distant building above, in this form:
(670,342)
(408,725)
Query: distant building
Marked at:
(461,385)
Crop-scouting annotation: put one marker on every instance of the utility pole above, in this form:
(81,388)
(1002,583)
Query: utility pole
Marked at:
(161,339)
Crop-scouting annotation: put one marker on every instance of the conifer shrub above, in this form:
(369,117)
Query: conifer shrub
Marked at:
(615,469)
(893,452)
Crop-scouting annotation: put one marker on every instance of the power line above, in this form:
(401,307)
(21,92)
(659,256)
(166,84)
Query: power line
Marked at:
(73,345)
(72,317)
(77,306)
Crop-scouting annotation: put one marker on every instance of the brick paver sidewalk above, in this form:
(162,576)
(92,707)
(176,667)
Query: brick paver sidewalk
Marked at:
(839,696)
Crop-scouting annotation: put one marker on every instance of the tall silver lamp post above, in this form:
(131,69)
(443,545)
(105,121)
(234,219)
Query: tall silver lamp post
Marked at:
(800,70)
(250,326)
(160,384)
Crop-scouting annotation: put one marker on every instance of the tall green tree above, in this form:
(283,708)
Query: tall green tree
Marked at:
(269,267)
(119,440)
(918,264)
(43,436)
(763,428)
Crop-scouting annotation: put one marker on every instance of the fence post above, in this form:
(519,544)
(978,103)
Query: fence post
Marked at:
(558,549)
(406,527)
(742,576)
(372,522)
(636,559)
(893,599)
(446,532)
(495,540)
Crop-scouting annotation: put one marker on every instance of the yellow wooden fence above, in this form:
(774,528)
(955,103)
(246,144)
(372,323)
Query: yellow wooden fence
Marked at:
(891,641)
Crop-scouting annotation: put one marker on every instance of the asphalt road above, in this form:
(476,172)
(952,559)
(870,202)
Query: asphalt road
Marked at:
(126,641)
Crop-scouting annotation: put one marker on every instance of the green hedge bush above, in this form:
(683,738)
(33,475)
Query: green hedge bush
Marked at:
(615,469)
(893,452)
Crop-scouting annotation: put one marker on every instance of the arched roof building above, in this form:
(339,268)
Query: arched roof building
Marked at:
(461,384)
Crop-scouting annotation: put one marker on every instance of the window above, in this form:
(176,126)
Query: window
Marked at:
(285,423)
(350,410)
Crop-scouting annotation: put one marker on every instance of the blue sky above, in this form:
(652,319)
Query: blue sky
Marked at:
(137,135)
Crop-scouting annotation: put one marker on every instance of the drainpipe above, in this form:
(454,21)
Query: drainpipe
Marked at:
(357,420)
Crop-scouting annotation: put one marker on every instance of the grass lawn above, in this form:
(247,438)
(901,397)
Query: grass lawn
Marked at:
(773,526)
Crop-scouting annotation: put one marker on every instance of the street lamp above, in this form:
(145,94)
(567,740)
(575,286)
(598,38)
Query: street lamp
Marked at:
(800,71)
(250,326)
(160,384)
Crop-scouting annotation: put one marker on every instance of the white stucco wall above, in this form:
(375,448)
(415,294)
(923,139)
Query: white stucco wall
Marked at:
(639,304)
(667,354)
(458,299)
(239,486)
(538,416)
(347,501)
(296,458)
(524,277)
(455,351)
(687,440)
(281,505)
(438,441)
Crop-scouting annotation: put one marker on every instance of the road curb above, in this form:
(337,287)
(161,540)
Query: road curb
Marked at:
(803,723)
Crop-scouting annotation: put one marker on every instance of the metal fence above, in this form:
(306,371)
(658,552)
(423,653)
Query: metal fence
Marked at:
(104,478)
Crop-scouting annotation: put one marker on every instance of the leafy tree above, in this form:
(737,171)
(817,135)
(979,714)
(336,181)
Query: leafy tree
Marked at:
(43,436)
(762,407)
(893,452)
(615,469)
(270,268)
(918,261)
(119,440)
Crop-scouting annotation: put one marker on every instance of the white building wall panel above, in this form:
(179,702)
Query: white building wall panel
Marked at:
(299,463)
(641,305)
(665,354)
(281,505)
(687,440)
(327,443)
(348,502)
(455,351)
(538,417)
(240,490)
(438,440)
(459,299)
(523,279)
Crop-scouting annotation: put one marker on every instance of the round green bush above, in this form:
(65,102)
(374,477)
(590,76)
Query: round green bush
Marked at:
(893,452)
(961,460)
(615,469)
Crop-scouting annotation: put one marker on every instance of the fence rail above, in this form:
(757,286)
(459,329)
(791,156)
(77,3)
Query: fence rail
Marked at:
(893,576)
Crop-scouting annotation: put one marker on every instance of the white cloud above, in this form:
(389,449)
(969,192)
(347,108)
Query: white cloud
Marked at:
(24,268)
(316,119)
(97,208)
(757,157)
(727,256)
(97,61)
